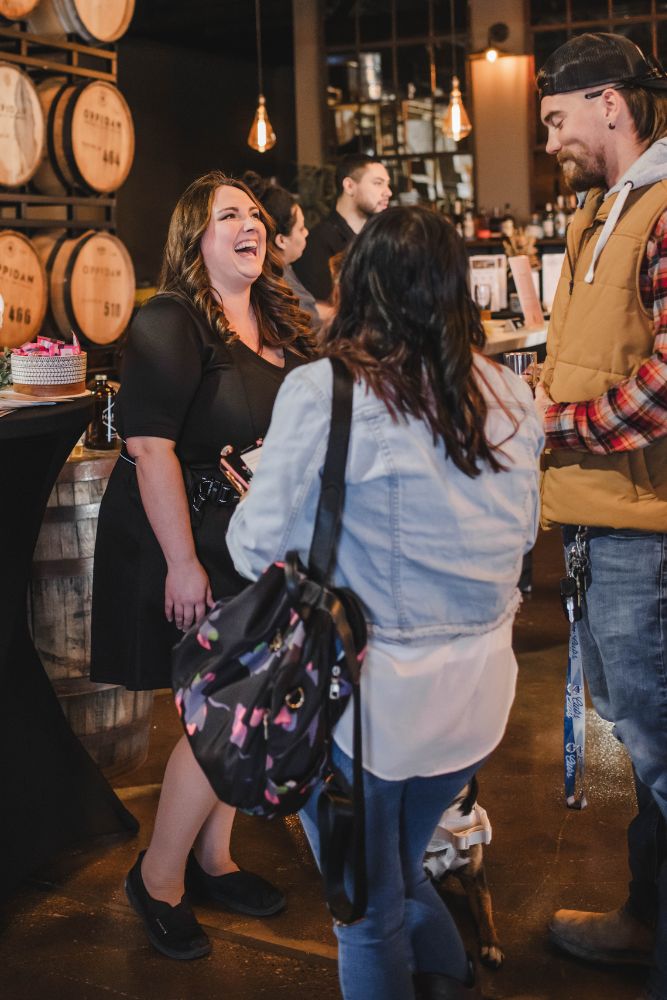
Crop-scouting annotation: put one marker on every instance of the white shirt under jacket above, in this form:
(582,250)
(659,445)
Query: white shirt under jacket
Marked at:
(433,555)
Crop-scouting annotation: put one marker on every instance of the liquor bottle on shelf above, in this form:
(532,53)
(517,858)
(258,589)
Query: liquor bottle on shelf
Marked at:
(456,215)
(560,218)
(548,221)
(571,207)
(495,222)
(534,227)
(469,227)
(101,432)
(483,226)
(507,222)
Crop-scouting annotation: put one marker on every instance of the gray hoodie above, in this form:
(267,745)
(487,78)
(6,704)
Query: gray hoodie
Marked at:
(650,167)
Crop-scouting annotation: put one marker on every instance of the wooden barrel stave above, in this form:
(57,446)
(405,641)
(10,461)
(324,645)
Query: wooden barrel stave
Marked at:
(112,723)
(91,284)
(23,287)
(90,137)
(93,20)
(17,10)
(21,127)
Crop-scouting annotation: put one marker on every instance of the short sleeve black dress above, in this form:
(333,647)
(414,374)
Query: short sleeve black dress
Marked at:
(181,382)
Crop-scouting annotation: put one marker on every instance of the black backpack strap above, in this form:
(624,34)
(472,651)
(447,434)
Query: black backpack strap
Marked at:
(341,815)
(332,493)
(341,818)
(340,810)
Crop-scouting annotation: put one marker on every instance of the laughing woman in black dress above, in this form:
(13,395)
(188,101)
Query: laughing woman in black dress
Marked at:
(203,364)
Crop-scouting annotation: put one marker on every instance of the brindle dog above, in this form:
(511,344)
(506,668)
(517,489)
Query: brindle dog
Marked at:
(468,867)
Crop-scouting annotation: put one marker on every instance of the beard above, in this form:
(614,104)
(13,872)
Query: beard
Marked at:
(370,207)
(583,172)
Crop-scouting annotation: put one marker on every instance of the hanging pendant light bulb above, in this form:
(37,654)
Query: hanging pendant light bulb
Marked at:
(261,135)
(455,122)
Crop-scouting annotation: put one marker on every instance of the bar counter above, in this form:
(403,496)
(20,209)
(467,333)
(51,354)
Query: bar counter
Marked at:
(500,339)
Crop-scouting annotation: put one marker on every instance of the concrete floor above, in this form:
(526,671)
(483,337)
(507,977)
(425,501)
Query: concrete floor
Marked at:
(69,933)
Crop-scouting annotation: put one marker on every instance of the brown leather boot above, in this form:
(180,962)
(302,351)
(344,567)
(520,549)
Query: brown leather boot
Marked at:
(615,937)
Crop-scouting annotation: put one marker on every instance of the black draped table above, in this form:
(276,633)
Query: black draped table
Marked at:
(52,793)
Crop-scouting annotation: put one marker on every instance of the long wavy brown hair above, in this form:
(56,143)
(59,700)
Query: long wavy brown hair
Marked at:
(280,321)
(407,326)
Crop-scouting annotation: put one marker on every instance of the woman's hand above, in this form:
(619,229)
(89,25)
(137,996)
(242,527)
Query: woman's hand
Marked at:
(542,401)
(187,593)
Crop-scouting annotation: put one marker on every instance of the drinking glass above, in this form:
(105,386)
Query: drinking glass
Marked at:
(483,295)
(524,363)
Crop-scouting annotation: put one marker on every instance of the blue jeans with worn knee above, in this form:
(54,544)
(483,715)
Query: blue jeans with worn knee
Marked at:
(407,927)
(623,637)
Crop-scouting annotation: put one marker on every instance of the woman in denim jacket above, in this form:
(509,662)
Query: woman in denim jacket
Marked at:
(441,504)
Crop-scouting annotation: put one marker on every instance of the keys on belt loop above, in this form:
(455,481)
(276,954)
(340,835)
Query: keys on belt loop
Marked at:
(573,585)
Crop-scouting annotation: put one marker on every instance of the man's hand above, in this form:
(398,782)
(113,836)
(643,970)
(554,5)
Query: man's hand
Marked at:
(542,401)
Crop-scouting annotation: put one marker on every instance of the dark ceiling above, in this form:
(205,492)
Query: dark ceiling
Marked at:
(227,26)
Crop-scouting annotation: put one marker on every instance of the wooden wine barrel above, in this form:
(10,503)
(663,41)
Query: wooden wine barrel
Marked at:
(91,285)
(23,288)
(90,137)
(92,20)
(16,10)
(21,127)
(112,723)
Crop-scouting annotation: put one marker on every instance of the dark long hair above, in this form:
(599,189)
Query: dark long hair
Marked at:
(280,321)
(407,326)
(278,202)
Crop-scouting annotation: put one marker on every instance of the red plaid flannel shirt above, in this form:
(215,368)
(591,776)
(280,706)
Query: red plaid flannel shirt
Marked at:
(634,412)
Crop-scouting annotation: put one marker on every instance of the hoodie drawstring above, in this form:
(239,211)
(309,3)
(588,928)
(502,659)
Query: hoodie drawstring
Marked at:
(608,228)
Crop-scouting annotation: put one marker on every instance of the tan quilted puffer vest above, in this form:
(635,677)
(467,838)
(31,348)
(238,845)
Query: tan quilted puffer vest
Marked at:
(599,334)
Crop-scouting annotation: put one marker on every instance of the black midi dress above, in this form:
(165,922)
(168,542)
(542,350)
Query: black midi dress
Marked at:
(180,382)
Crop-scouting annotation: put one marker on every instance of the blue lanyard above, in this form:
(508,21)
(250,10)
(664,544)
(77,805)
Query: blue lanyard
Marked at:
(574,729)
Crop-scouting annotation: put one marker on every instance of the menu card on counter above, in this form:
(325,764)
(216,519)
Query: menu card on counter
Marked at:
(525,287)
(490,269)
(552,265)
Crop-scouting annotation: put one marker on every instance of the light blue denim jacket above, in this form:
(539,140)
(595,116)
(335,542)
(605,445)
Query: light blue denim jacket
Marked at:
(430,552)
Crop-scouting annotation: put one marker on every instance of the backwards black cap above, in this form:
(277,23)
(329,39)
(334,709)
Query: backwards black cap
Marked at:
(598,59)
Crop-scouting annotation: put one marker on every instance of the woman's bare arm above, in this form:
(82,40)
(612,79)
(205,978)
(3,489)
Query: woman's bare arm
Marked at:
(187,590)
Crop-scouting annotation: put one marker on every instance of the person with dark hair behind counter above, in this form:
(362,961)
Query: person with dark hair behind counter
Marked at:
(290,236)
(362,189)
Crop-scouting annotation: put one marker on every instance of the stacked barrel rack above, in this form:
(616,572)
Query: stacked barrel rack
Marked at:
(66,146)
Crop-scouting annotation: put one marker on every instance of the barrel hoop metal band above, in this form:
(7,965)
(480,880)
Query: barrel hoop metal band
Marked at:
(56,515)
(89,468)
(52,569)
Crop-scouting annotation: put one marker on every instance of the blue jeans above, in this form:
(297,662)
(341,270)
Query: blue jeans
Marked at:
(407,927)
(624,649)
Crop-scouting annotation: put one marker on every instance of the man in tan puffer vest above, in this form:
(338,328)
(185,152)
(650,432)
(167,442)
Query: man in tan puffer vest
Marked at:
(604,399)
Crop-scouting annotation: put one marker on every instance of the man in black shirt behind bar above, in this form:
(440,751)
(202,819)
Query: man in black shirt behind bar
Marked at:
(362,185)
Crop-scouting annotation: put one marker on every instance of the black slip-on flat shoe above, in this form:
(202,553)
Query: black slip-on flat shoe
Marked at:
(173,930)
(242,892)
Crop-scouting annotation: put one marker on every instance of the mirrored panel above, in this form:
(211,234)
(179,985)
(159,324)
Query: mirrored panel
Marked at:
(412,18)
(630,8)
(589,10)
(639,33)
(374,21)
(548,11)
(339,22)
